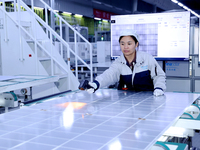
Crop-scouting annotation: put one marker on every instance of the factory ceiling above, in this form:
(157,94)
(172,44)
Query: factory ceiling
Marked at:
(192,4)
(139,6)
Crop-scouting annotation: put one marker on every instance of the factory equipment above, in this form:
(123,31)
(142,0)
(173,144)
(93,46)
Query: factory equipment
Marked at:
(190,118)
(15,90)
(82,47)
(102,36)
(103,51)
(68,34)
(82,30)
(11,99)
(8,99)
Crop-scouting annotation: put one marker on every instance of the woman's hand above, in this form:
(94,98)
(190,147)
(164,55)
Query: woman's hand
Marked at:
(93,87)
(158,92)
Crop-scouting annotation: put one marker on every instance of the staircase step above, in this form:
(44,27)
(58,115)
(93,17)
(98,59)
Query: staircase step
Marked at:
(32,41)
(44,59)
(25,23)
(62,75)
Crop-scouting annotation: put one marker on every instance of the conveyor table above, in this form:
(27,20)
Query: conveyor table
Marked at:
(106,120)
(11,83)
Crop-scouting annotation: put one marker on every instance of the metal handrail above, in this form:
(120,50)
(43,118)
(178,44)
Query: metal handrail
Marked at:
(33,39)
(63,42)
(75,32)
(53,32)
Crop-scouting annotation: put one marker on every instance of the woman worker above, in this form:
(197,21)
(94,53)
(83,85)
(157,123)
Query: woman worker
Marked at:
(134,70)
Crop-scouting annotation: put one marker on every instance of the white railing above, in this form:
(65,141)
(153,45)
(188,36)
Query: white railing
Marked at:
(50,32)
(47,7)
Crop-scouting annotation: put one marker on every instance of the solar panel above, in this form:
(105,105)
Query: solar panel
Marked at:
(106,120)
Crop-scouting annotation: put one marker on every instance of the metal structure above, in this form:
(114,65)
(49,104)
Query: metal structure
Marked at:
(45,46)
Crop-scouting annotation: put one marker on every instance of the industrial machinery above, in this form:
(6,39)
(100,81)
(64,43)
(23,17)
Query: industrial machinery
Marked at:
(16,90)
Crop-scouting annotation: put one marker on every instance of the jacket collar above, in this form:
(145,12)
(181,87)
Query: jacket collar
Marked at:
(139,59)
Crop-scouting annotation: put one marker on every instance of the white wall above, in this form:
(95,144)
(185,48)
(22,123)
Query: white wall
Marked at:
(178,85)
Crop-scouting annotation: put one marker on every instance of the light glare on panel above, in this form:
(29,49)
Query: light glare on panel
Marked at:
(115,145)
(67,119)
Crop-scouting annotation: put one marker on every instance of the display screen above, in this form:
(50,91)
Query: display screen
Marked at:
(163,35)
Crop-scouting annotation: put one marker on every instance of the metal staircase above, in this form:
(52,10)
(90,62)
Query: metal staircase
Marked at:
(49,47)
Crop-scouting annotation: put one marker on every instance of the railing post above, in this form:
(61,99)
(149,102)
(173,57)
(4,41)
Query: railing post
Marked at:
(76,62)
(52,68)
(61,53)
(20,36)
(35,38)
(91,69)
(32,5)
(46,18)
(69,67)
(15,6)
(5,24)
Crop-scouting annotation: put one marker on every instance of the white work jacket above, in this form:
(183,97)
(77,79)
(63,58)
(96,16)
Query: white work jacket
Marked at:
(147,75)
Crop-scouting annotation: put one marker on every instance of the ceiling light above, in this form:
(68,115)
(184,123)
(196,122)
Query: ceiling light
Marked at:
(185,7)
(67,12)
(104,20)
(96,2)
(38,8)
(97,18)
(180,4)
(108,5)
(194,13)
(78,15)
(118,8)
(175,1)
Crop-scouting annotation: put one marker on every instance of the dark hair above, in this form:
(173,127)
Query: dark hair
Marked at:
(130,36)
